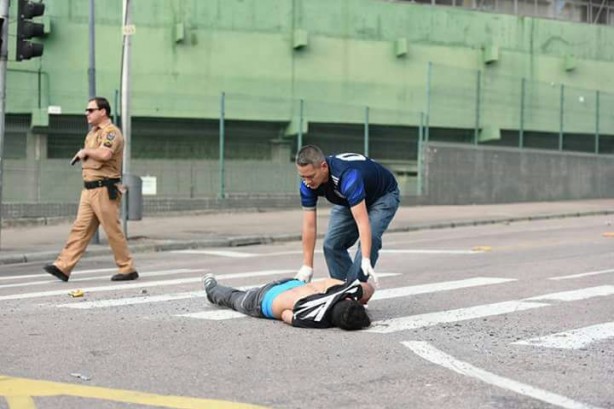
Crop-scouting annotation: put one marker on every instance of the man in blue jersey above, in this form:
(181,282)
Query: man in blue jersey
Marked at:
(366,198)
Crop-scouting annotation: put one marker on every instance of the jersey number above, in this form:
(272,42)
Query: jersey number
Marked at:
(350,156)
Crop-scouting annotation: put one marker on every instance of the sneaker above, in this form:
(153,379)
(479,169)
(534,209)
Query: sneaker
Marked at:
(209,282)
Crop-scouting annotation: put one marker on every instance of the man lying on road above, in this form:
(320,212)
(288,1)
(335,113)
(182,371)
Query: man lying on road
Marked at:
(320,304)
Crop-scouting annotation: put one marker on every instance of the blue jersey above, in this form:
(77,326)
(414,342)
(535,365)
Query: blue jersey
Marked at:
(352,178)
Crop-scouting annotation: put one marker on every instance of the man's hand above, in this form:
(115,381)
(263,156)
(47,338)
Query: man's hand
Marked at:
(368,270)
(304,274)
(79,156)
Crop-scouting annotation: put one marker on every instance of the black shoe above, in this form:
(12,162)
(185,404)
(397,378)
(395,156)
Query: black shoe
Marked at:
(209,282)
(125,277)
(54,271)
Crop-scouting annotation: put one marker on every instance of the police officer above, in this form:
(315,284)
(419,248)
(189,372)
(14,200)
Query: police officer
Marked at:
(101,161)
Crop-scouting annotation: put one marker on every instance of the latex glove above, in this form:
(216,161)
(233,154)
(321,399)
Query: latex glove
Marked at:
(368,270)
(304,274)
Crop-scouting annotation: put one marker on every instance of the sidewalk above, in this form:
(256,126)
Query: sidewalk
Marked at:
(42,243)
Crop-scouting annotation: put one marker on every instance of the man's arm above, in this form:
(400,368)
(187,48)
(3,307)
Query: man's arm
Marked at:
(286,316)
(309,235)
(359,212)
(101,154)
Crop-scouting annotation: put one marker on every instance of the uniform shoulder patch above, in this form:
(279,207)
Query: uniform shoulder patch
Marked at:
(108,144)
(110,136)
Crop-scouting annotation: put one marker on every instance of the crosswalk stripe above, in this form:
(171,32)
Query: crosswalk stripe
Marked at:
(486,310)
(430,353)
(575,295)
(219,314)
(83,305)
(426,251)
(22,276)
(221,253)
(590,273)
(123,286)
(436,287)
(462,314)
(86,305)
(75,280)
(214,315)
(240,254)
(574,339)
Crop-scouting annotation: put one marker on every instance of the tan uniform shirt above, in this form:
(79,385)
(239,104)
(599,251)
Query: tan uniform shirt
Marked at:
(110,137)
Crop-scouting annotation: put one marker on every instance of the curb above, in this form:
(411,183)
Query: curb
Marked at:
(241,241)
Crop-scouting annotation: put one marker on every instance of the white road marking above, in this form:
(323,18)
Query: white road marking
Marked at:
(138,284)
(426,251)
(47,275)
(147,299)
(590,273)
(86,305)
(486,310)
(575,295)
(574,339)
(164,297)
(76,280)
(217,314)
(379,294)
(461,314)
(435,287)
(222,253)
(240,254)
(432,354)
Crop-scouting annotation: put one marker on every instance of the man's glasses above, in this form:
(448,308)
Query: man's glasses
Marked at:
(90,110)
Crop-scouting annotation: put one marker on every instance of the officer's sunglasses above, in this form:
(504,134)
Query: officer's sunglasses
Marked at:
(90,110)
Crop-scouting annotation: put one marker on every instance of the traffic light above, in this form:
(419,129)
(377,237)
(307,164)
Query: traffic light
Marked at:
(27,29)
(1,31)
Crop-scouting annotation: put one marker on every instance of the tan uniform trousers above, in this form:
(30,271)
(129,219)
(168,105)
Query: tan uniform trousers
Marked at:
(95,208)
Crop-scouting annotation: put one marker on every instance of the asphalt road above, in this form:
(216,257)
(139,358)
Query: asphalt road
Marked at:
(499,316)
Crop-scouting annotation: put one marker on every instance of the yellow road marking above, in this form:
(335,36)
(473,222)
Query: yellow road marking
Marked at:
(18,393)
(20,402)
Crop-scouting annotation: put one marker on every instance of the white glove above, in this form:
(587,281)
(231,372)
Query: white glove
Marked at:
(368,271)
(304,274)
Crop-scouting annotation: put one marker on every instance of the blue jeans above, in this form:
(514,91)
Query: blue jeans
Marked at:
(343,233)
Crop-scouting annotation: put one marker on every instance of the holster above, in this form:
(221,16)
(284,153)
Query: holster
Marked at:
(110,184)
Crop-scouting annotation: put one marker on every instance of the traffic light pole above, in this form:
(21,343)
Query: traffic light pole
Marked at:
(91,77)
(125,110)
(4,14)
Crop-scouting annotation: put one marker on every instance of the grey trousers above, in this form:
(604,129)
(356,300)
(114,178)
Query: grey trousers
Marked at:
(246,302)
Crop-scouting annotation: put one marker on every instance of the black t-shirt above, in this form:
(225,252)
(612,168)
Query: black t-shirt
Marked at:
(314,310)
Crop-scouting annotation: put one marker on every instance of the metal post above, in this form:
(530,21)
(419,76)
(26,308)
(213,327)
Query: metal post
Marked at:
(4,14)
(299,141)
(523,85)
(222,137)
(91,71)
(420,157)
(478,89)
(91,78)
(366,139)
(125,98)
(561,117)
(596,121)
(428,100)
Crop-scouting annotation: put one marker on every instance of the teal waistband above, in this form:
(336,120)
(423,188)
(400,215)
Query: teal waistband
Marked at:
(269,297)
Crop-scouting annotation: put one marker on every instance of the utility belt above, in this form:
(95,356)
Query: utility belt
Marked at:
(110,184)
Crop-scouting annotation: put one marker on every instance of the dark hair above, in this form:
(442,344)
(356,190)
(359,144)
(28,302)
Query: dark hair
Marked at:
(349,315)
(310,155)
(102,103)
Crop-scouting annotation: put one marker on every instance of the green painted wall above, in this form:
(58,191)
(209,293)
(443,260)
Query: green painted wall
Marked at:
(245,48)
